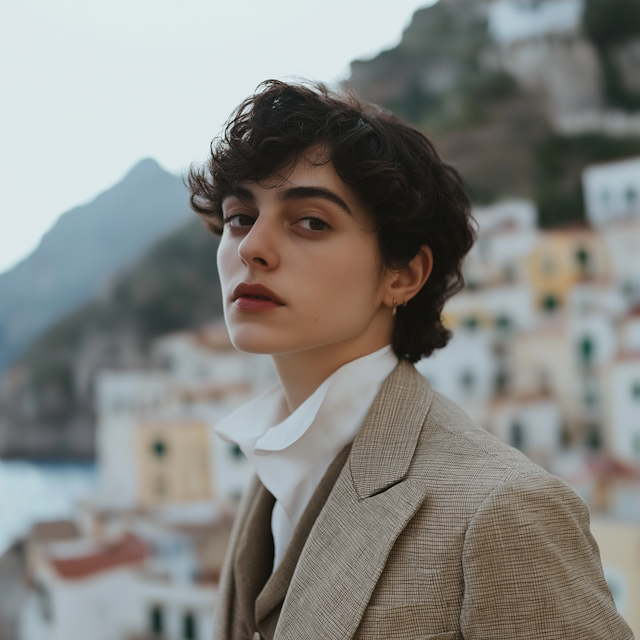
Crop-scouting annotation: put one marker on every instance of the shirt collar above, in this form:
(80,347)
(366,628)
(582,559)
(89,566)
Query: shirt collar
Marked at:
(258,427)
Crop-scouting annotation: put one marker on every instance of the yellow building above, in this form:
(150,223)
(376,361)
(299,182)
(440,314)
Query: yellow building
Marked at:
(619,544)
(563,258)
(173,463)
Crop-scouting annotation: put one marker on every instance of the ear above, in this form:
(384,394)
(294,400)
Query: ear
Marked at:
(408,281)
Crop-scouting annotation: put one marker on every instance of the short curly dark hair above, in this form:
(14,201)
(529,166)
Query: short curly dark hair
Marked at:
(412,196)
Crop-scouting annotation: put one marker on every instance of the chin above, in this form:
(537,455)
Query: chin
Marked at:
(250,338)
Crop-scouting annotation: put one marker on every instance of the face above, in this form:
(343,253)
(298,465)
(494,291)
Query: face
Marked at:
(299,265)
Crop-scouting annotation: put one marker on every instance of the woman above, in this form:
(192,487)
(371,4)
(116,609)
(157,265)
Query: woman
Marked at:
(378,510)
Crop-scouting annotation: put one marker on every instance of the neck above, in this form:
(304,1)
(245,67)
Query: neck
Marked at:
(302,372)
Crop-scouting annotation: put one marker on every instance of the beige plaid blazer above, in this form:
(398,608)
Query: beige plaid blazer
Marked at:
(436,530)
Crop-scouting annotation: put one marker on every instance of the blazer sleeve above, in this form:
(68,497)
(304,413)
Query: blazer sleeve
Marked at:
(532,568)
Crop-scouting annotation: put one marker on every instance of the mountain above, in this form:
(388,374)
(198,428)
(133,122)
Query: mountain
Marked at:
(84,249)
(46,398)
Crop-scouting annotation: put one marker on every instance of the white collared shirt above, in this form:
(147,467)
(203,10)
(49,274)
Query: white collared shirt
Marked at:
(290,453)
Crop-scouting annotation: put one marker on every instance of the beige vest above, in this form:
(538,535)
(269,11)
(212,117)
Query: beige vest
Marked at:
(258,594)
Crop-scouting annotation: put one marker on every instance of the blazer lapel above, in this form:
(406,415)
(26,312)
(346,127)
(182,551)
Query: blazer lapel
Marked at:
(267,606)
(367,510)
(224,599)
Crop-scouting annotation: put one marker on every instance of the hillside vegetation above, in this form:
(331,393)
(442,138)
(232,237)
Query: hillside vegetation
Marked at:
(173,287)
(445,77)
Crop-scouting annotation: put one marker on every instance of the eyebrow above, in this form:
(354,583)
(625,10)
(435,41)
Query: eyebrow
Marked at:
(302,193)
(293,193)
(243,194)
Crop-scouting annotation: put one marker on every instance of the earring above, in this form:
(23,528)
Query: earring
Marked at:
(393,311)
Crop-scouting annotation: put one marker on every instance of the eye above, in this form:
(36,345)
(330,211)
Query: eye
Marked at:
(312,223)
(238,220)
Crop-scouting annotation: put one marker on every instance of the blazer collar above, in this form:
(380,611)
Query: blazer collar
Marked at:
(369,506)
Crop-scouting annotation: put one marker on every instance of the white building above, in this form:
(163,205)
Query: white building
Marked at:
(465,371)
(544,362)
(75,582)
(503,308)
(206,356)
(621,391)
(531,423)
(155,437)
(507,233)
(630,332)
(622,240)
(513,20)
(612,191)
(115,589)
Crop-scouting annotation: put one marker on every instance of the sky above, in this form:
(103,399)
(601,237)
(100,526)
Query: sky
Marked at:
(91,87)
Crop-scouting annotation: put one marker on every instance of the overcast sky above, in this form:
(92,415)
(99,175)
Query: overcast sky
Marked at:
(91,87)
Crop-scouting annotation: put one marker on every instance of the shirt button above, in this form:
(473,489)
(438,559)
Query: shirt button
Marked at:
(256,636)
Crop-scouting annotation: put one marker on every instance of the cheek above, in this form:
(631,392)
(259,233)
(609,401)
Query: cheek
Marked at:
(226,259)
(342,283)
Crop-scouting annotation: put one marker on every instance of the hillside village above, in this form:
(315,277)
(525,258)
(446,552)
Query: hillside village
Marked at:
(545,356)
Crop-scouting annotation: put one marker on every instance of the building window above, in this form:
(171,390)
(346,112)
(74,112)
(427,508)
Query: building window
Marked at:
(517,435)
(606,198)
(471,323)
(635,390)
(44,602)
(636,444)
(189,627)
(159,448)
(502,382)
(632,198)
(236,452)
(503,323)
(550,302)
(156,620)
(590,397)
(593,437)
(587,348)
(467,380)
(582,257)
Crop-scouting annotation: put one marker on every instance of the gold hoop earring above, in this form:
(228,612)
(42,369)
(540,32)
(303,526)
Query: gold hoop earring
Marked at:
(393,311)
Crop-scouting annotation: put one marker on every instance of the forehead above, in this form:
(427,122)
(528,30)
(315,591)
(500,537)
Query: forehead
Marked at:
(309,170)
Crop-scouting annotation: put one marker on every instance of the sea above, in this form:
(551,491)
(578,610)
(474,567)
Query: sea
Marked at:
(35,491)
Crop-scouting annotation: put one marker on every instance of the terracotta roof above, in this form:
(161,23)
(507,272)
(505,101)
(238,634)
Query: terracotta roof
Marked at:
(522,398)
(628,356)
(129,550)
(634,312)
(607,466)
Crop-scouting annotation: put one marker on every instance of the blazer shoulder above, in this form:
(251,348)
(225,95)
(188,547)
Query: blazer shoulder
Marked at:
(454,450)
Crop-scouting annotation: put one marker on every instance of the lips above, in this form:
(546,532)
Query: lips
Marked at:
(257,292)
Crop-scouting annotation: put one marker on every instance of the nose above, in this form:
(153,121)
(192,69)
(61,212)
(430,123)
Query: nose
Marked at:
(258,247)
